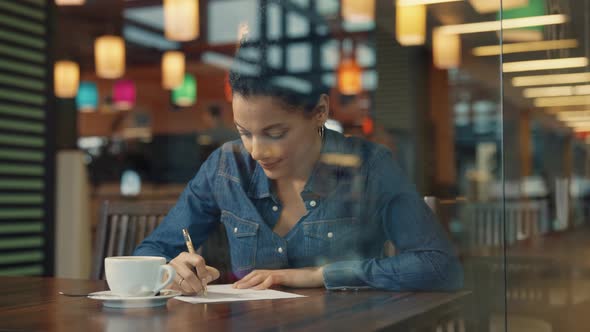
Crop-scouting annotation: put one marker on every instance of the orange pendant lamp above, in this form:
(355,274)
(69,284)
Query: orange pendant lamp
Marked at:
(349,73)
(349,77)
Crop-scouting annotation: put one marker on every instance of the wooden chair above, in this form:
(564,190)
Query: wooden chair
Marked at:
(123,225)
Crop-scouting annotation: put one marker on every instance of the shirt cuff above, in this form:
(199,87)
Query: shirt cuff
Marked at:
(344,275)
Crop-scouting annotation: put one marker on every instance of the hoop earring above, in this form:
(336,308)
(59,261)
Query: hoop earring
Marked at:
(321,131)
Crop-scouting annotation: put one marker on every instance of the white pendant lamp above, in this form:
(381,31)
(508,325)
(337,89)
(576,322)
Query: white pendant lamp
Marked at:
(66,78)
(173,68)
(181,19)
(410,25)
(109,56)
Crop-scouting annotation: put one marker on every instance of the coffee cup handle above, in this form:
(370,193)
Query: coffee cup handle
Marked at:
(171,274)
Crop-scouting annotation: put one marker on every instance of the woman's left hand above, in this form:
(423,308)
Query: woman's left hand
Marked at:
(308,277)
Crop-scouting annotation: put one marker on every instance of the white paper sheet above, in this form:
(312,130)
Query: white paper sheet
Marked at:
(225,293)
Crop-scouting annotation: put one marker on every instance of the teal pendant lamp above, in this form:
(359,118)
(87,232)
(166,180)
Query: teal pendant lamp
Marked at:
(87,97)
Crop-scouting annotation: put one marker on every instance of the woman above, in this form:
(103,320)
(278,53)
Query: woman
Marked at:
(303,206)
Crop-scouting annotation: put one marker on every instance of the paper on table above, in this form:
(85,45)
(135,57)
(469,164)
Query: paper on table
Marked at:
(225,293)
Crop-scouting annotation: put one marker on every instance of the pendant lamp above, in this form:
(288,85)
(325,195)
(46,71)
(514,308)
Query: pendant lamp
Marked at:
(358,11)
(87,98)
(66,77)
(530,9)
(173,68)
(124,94)
(109,56)
(349,77)
(446,49)
(181,19)
(69,2)
(186,94)
(410,25)
(490,6)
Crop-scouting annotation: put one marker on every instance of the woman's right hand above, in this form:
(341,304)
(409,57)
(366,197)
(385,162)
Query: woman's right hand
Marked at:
(192,274)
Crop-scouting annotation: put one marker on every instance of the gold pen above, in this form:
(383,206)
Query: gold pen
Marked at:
(191,249)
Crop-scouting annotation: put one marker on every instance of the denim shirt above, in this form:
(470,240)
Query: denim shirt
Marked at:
(356,199)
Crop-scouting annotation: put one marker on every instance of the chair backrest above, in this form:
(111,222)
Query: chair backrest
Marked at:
(123,225)
(493,224)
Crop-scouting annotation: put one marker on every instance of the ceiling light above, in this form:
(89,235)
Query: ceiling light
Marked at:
(349,77)
(530,9)
(87,97)
(66,78)
(422,2)
(69,2)
(356,11)
(181,19)
(446,49)
(490,6)
(582,90)
(124,95)
(173,68)
(186,94)
(410,25)
(562,101)
(572,115)
(512,23)
(553,91)
(551,79)
(109,56)
(525,47)
(510,67)
(578,124)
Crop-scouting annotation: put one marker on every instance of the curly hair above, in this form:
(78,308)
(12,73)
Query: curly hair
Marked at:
(259,78)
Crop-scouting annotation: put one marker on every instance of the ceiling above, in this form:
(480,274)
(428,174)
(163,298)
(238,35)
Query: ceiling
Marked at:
(140,21)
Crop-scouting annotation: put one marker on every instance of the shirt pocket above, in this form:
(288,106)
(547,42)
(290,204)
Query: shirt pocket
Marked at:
(331,238)
(242,236)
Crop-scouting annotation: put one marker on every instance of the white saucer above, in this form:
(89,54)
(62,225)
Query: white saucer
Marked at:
(111,300)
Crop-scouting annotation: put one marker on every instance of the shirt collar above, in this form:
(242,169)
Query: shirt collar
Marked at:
(323,178)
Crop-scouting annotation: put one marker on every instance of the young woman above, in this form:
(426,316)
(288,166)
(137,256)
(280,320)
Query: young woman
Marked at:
(303,206)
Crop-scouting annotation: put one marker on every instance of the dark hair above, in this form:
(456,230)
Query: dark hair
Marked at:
(257,78)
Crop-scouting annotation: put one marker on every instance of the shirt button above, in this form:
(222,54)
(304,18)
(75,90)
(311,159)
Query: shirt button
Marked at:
(330,235)
(313,203)
(280,250)
(235,230)
(275,208)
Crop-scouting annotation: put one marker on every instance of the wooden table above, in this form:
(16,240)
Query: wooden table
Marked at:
(33,304)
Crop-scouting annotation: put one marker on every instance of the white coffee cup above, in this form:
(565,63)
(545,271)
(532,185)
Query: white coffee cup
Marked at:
(137,275)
